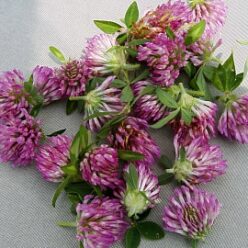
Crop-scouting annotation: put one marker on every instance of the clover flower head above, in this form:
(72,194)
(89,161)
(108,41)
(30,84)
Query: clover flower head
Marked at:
(52,156)
(100,222)
(191,212)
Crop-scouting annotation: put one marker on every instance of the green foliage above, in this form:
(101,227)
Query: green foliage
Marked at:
(108,27)
(130,155)
(56,133)
(195,33)
(151,230)
(57,54)
(166,98)
(132,238)
(131,177)
(166,120)
(132,14)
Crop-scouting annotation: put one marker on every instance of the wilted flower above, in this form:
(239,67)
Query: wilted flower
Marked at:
(147,106)
(165,57)
(214,12)
(132,135)
(172,14)
(198,163)
(71,77)
(103,98)
(47,84)
(13,98)
(100,167)
(144,196)
(233,123)
(103,56)
(52,156)
(19,138)
(202,51)
(191,212)
(101,222)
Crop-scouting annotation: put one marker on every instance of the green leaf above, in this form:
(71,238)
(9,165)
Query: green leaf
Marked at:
(108,27)
(58,54)
(144,215)
(151,230)
(71,106)
(165,178)
(245,69)
(165,162)
(79,144)
(208,72)
(229,67)
(187,116)
(127,94)
(132,14)
(132,238)
(60,189)
(195,33)
(190,69)
(138,42)
(130,155)
(201,83)
(243,42)
(148,90)
(132,52)
(56,133)
(219,78)
(143,75)
(122,38)
(165,120)
(35,99)
(36,109)
(170,33)
(166,99)
(80,189)
(119,84)
(132,177)
(70,169)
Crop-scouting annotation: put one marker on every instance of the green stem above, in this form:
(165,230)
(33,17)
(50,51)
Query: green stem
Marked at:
(195,93)
(67,224)
(183,91)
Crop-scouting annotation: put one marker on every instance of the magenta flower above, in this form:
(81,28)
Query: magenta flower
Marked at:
(165,57)
(202,125)
(72,78)
(185,134)
(13,98)
(19,139)
(191,212)
(132,135)
(102,55)
(100,167)
(233,123)
(46,83)
(101,222)
(214,12)
(201,163)
(202,51)
(171,14)
(147,107)
(103,98)
(145,196)
(52,156)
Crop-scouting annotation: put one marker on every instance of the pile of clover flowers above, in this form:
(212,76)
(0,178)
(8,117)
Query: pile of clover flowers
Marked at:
(146,73)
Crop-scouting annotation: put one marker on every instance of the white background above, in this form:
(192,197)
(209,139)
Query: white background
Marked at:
(27,29)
